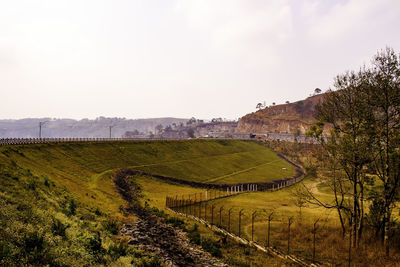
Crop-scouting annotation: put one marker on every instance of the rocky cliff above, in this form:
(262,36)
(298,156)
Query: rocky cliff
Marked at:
(285,118)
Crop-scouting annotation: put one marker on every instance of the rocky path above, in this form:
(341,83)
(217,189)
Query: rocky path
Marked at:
(170,244)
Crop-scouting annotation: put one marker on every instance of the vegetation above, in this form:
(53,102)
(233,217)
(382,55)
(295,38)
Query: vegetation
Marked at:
(59,206)
(364,141)
(43,224)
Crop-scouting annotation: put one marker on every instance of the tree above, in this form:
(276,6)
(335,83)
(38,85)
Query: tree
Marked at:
(384,99)
(317,91)
(287,102)
(190,132)
(273,103)
(259,106)
(192,120)
(159,128)
(350,141)
(365,140)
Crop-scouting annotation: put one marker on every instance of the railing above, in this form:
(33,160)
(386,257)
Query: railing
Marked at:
(25,141)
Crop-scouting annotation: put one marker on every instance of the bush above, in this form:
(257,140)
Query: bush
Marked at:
(33,242)
(58,228)
(116,251)
(5,251)
(35,249)
(32,185)
(176,222)
(97,212)
(211,246)
(311,170)
(46,182)
(93,244)
(71,209)
(111,226)
(194,234)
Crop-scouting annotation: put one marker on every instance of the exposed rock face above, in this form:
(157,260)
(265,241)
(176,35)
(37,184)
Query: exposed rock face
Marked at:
(286,118)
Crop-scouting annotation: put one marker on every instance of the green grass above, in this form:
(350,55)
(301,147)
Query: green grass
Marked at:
(85,169)
(49,189)
(43,224)
(281,203)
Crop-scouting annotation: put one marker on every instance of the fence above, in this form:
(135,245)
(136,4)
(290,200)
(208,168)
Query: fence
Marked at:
(260,228)
(184,201)
(25,141)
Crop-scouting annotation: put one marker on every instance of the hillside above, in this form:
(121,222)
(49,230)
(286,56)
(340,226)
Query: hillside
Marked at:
(59,205)
(285,118)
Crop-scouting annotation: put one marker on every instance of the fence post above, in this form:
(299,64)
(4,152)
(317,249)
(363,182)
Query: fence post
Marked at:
(199,210)
(240,219)
(314,232)
(229,219)
(205,211)
(212,213)
(269,227)
(290,221)
(220,215)
(253,215)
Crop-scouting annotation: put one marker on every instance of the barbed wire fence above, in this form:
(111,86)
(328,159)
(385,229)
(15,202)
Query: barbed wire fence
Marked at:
(286,235)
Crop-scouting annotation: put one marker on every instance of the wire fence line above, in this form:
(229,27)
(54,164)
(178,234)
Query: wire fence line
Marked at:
(258,228)
(26,141)
(243,240)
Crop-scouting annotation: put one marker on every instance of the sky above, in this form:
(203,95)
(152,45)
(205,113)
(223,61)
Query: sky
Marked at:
(180,58)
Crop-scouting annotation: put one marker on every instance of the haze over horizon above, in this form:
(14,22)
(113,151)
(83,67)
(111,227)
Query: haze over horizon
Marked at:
(147,59)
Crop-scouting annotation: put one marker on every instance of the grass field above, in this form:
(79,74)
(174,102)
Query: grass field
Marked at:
(86,169)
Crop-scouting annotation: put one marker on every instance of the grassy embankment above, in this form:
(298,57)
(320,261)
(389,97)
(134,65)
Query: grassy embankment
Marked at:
(61,196)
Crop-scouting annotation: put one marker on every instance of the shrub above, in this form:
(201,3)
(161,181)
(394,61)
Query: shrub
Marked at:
(33,242)
(71,209)
(211,246)
(116,251)
(176,222)
(97,212)
(111,226)
(58,228)
(35,249)
(194,234)
(5,251)
(46,182)
(93,244)
(311,170)
(32,185)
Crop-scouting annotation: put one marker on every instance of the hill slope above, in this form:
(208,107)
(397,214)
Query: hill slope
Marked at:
(85,168)
(59,205)
(285,118)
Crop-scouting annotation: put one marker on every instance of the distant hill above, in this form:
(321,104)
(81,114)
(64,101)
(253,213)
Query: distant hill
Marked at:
(96,128)
(285,118)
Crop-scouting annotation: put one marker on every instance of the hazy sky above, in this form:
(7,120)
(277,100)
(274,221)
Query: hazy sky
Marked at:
(204,58)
